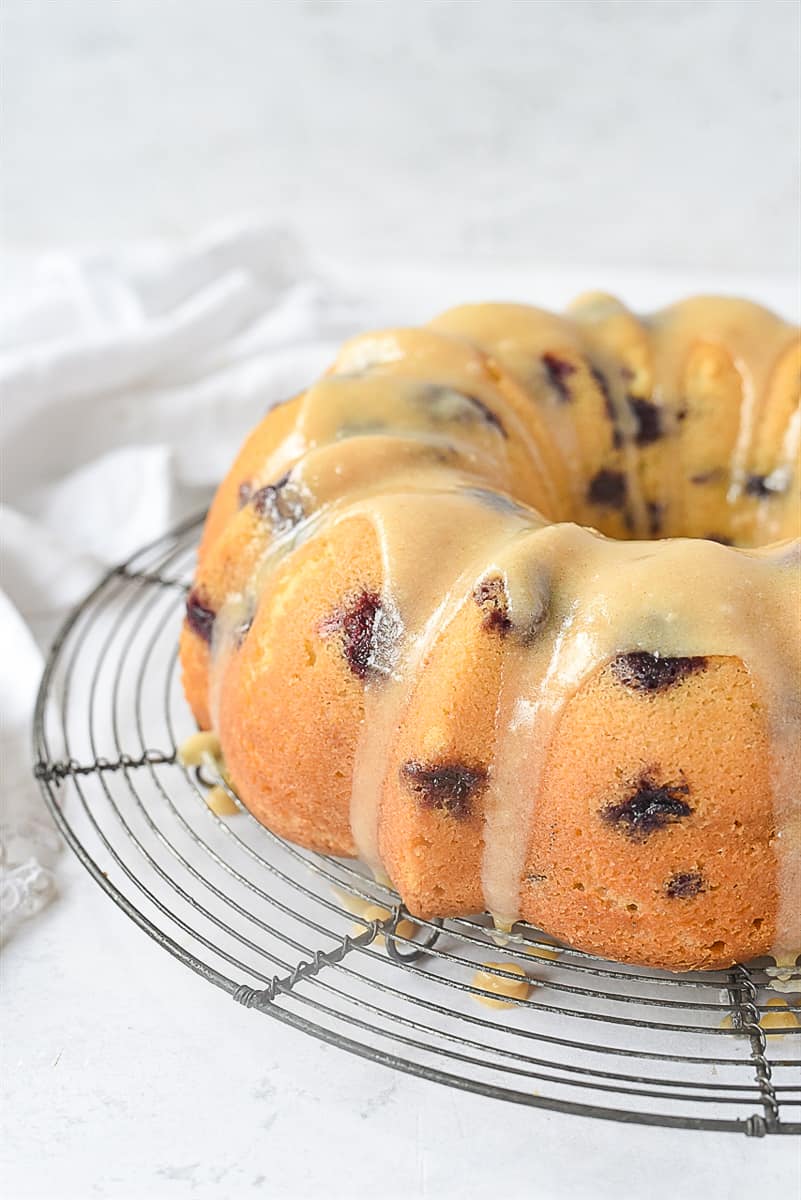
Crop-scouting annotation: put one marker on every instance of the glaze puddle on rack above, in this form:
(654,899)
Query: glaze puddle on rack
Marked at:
(267,922)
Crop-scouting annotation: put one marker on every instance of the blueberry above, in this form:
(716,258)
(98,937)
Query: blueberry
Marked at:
(684,885)
(648,419)
(650,807)
(558,372)
(651,673)
(603,387)
(491,597)
(199,617)
(451,405)
(280,503)
(369,632)
(761,487)
(608,489)
(450,786)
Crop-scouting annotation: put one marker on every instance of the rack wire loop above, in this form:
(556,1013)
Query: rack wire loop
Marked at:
(277,927)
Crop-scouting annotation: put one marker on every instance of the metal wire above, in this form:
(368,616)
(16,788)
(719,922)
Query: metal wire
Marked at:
(270,923)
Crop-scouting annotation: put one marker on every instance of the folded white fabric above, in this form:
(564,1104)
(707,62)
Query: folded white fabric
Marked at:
(127,382)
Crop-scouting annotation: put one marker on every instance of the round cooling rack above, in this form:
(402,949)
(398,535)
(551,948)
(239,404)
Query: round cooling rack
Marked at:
(286,932)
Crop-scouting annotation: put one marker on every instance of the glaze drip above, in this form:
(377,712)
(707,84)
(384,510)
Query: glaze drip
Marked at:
(413,430)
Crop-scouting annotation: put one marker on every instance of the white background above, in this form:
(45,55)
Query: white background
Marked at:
(618,133)
(602,138)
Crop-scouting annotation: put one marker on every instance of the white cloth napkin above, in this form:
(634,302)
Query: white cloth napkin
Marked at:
(127,382)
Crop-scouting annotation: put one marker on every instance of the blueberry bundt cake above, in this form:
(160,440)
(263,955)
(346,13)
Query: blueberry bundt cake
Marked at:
(509,606)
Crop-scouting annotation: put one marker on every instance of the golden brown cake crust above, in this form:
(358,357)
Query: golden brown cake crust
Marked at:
(412,649)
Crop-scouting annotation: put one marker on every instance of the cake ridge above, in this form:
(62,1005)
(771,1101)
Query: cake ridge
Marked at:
(395,459)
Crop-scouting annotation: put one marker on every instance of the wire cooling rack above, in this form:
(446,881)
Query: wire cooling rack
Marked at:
(272,925)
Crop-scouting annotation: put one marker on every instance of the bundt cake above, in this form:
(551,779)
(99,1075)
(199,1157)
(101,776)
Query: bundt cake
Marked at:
(509,606)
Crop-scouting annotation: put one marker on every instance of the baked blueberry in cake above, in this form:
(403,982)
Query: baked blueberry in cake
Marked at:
(508,605)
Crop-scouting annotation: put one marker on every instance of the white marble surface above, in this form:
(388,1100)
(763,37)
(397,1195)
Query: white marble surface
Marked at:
(616,132)
(561,135)
(126,1076)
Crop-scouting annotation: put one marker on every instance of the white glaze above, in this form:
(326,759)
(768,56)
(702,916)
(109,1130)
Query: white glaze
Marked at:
(373,440)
